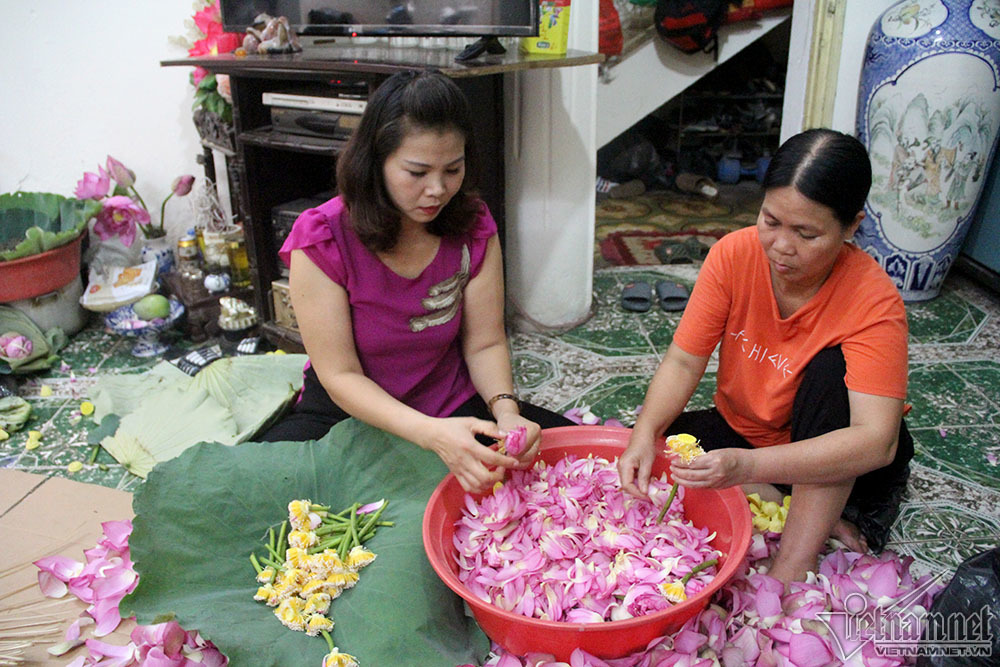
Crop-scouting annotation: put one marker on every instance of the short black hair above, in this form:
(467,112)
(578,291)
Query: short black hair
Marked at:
(414,99)
(828,167)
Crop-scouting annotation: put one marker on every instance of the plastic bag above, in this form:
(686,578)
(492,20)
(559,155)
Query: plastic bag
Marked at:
(965,616)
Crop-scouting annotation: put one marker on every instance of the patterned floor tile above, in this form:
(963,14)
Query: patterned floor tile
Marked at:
(946,395)
(947,320)
(960,452)
(942,534)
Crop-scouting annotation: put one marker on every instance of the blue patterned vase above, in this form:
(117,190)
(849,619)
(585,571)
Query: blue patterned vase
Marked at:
(929,113)
(161,250)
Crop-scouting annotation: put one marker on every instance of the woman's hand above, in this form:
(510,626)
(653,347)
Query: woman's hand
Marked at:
(636,463)
(508,422)
(476,466)
(717,469)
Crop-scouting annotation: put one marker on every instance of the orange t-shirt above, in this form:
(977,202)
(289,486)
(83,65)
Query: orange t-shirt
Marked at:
(762,357)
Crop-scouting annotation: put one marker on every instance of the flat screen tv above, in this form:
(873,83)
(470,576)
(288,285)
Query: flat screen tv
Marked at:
(425,18)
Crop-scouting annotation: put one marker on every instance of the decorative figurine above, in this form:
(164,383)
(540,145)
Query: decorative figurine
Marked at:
(216,282)
(271,35)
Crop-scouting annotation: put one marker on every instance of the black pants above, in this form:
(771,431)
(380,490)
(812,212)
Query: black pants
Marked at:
(821,405)
(315,414)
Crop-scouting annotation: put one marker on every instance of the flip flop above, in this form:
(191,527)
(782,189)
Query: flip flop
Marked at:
(637,297)
(671,296)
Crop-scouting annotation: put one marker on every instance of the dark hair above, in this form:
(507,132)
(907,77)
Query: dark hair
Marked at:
(828,167)
(425,100)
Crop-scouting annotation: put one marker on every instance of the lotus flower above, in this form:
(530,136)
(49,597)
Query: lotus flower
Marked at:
(93,186)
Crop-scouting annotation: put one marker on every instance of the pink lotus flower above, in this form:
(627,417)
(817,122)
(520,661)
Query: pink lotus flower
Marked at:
(123,176)
(93,186)
(120,217)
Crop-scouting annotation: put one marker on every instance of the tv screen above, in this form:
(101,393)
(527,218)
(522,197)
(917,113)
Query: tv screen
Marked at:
(428,18)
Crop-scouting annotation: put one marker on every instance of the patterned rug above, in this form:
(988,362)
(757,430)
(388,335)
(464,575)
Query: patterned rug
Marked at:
(629,231)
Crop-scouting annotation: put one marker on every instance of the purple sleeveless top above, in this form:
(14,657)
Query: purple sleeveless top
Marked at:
(406,330)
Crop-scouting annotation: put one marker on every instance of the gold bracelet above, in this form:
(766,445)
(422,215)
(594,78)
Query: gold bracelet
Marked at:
(500,397)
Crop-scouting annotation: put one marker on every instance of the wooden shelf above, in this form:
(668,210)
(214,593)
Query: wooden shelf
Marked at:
(268,137)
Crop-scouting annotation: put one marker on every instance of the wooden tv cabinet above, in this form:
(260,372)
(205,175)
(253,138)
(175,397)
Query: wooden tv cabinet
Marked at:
(273,167)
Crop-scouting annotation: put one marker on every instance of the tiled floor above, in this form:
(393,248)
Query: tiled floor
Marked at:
(952,509)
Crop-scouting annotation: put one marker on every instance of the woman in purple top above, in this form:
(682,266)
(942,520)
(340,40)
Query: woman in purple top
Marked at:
(397,286)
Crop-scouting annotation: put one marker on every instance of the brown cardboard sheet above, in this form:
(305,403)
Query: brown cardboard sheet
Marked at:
(45,516)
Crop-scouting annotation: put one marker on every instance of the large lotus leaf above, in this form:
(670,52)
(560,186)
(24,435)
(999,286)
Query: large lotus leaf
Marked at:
(199,516)
(159,431)
(33,222)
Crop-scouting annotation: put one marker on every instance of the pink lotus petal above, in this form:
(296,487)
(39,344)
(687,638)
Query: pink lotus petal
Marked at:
(809,650)
(516,440)
(575,415)
(55,572)
(689,642)
(371,507)
(101,649)
(117,533)
(614,422)
(106,613)
(991,458)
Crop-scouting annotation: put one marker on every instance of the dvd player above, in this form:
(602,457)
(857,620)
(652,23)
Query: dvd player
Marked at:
(314,123)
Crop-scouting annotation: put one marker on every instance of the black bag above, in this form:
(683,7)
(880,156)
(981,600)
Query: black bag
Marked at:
(690,25)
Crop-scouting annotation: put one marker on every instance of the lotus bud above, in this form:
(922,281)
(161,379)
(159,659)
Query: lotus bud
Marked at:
(182,185)
(18,347)
(123,175)
(6,338)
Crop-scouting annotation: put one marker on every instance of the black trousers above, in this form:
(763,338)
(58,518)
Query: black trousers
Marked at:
(821,405)
(315,414)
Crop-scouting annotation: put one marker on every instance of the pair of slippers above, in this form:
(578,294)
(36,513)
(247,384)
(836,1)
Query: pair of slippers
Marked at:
(638,296)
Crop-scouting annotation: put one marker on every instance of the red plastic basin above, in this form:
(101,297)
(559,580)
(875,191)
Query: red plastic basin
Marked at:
(40,274)
(724,511)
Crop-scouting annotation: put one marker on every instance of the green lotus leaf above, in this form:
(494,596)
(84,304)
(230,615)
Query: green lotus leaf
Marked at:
(199,516)
(34,222)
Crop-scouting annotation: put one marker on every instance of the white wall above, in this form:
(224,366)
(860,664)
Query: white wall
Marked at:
(858,20)
(81,80)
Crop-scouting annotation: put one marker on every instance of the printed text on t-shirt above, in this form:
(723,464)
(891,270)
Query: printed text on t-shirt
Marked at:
(761,353)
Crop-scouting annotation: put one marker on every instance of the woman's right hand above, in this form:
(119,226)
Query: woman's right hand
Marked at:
(476,466)
(636,463)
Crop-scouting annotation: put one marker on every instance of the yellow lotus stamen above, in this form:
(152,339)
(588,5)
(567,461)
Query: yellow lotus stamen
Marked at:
(266,575)
(264,593)
(317,623)
(358,558)
(86,408)
(302,539)
(337,659)
(767,515)
(317,603)
(45,391)
(298,514)
(289,612)
(75,466)
(673,591)
(343,579)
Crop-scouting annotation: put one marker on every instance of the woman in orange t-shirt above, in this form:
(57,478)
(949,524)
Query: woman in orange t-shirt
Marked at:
(812,341)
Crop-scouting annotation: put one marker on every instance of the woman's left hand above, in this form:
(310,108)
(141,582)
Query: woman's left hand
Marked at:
(509,421)
(717,469)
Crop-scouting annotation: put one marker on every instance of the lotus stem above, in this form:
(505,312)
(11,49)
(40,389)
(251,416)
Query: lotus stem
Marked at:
(666,505)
